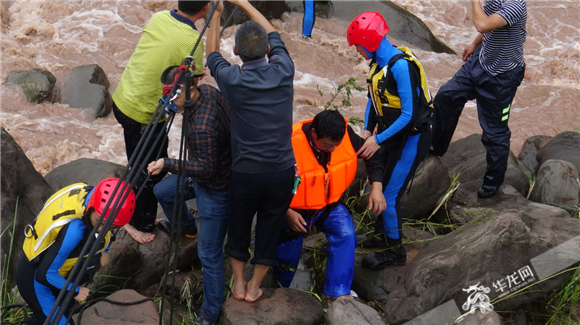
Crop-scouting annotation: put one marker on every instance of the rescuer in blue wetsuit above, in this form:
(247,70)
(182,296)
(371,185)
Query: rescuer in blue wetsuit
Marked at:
(399,112)
(54,242)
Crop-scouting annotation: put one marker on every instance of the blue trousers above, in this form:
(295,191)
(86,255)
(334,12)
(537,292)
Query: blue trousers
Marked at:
(213,210)
(398,172)
(165,193)
(341,237)
(309,17)
(494,96)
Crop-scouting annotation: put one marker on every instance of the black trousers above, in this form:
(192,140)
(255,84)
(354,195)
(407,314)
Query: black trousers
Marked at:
(146,204)
(494,96)
(269,195)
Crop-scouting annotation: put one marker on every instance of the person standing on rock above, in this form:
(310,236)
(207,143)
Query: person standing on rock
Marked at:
(494,68)
(325,150)
(309,18)
(167,39)
(400,103)
(54,242)
(208,170)
(260,93)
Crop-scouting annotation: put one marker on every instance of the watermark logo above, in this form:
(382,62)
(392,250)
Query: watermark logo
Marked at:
(477,299)
(513,282)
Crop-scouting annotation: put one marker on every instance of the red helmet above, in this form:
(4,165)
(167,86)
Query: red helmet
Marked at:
(367,30)
(103,194)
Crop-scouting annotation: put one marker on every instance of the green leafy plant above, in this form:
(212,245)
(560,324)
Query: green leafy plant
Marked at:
(343,93)
(9,297)
(565,299)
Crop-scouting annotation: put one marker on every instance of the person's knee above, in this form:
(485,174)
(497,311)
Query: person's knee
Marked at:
(162,193)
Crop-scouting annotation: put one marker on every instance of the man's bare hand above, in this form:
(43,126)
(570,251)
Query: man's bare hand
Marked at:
(369,148)
(155,167)
(377,203)
(82,295)
(295,221)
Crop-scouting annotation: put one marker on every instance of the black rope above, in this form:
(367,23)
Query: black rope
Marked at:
(172,257)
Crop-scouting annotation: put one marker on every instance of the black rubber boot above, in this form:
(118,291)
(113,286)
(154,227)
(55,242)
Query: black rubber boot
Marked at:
(380,260)
(373,240)
(487,191)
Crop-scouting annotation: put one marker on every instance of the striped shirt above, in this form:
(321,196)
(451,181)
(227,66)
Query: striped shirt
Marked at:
(208,141)
(503,48)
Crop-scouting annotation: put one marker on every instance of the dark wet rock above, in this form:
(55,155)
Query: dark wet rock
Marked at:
(375,285)
(87,87)
(352,312)
(479,318)
(270,10)
(520,317)
(556,183)
(23,194)
(474,169)
(430,182)
(323,9)
(276,306)
(104,312)
(36,84)
(530,149)
(428,185)
(483,251)
(403,25)
(139,266)
(90,171)
(462,150)
(564,146)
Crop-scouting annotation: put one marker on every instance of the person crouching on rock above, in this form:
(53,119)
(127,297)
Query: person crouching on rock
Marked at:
(54,242)
(325,150)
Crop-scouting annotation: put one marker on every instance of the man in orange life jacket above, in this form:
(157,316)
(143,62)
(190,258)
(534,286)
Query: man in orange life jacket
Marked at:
(327,163)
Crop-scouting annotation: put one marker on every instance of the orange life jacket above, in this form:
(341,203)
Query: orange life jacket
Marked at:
(313,192)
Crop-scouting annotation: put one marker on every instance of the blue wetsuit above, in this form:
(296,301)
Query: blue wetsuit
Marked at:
(40,283)
(402,147)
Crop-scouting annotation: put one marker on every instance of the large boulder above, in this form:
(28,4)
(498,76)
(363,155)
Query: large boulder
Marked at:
(373,285)
(90,171)
(137,266)
(352,312)
(376,286)
(557,183)
(491,253)
(404,25)
(462,150)
(87,87)
(270,10)
(530,149)
(564,146)
(276,306)
(479,318)
(427,186)
(36,84)
(23,193)
(323,9)
(474,168)
(120,310)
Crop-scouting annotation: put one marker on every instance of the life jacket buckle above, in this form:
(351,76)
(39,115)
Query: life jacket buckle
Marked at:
(27,227)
